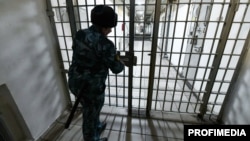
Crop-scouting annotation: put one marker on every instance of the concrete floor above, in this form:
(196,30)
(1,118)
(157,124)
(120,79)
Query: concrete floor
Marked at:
(161,126)
(120,127)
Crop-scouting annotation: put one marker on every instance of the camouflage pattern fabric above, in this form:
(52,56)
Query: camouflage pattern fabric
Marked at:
(93,55)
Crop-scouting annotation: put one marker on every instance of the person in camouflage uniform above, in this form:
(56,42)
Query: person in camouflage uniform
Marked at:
(93,55)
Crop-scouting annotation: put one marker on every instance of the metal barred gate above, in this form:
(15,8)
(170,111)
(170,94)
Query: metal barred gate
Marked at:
(188,51)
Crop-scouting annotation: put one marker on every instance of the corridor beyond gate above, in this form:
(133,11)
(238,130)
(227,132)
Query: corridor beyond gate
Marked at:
(188,51)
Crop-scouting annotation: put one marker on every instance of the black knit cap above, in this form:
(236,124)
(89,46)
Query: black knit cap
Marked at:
(103,16)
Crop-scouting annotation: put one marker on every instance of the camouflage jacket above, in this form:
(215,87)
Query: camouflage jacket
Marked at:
(93,56)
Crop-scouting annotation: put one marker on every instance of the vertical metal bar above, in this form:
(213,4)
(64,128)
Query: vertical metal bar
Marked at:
(178,67)
(109,89)
(124,31)
(72,20)
(141,70)
(235,77)
(167,38)
(153,56)
(221,46)
(78,14)
(86,4)
(131,51)
(175,84)
(115,42)
(171,51)
(211,50)
(200,89)
(168,27)
(63,34)
(193,91)
(61,65)
(141,87)
(109,97)
(160,66)
(190,54)
(68,59)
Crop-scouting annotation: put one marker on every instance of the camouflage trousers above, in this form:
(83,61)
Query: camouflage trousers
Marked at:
(91,125)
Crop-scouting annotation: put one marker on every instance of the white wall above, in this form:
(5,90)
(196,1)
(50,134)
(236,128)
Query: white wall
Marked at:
(29,64)
(237,107)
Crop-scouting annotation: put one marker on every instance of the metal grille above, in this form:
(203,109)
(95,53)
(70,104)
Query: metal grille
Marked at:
(188,51)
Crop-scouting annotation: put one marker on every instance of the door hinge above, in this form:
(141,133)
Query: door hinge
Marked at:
(50,13)
(236,2)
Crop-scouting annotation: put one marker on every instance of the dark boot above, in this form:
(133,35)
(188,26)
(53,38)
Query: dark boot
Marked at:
(103,139)
(91,139)
(101,127)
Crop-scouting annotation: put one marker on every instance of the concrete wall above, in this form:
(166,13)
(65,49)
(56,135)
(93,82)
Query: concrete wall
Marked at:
(237,107)
(29,65)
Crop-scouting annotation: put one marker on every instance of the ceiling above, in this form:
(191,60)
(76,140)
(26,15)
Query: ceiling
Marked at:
(143,9)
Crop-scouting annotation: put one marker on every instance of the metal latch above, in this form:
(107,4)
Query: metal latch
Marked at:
(129,59)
